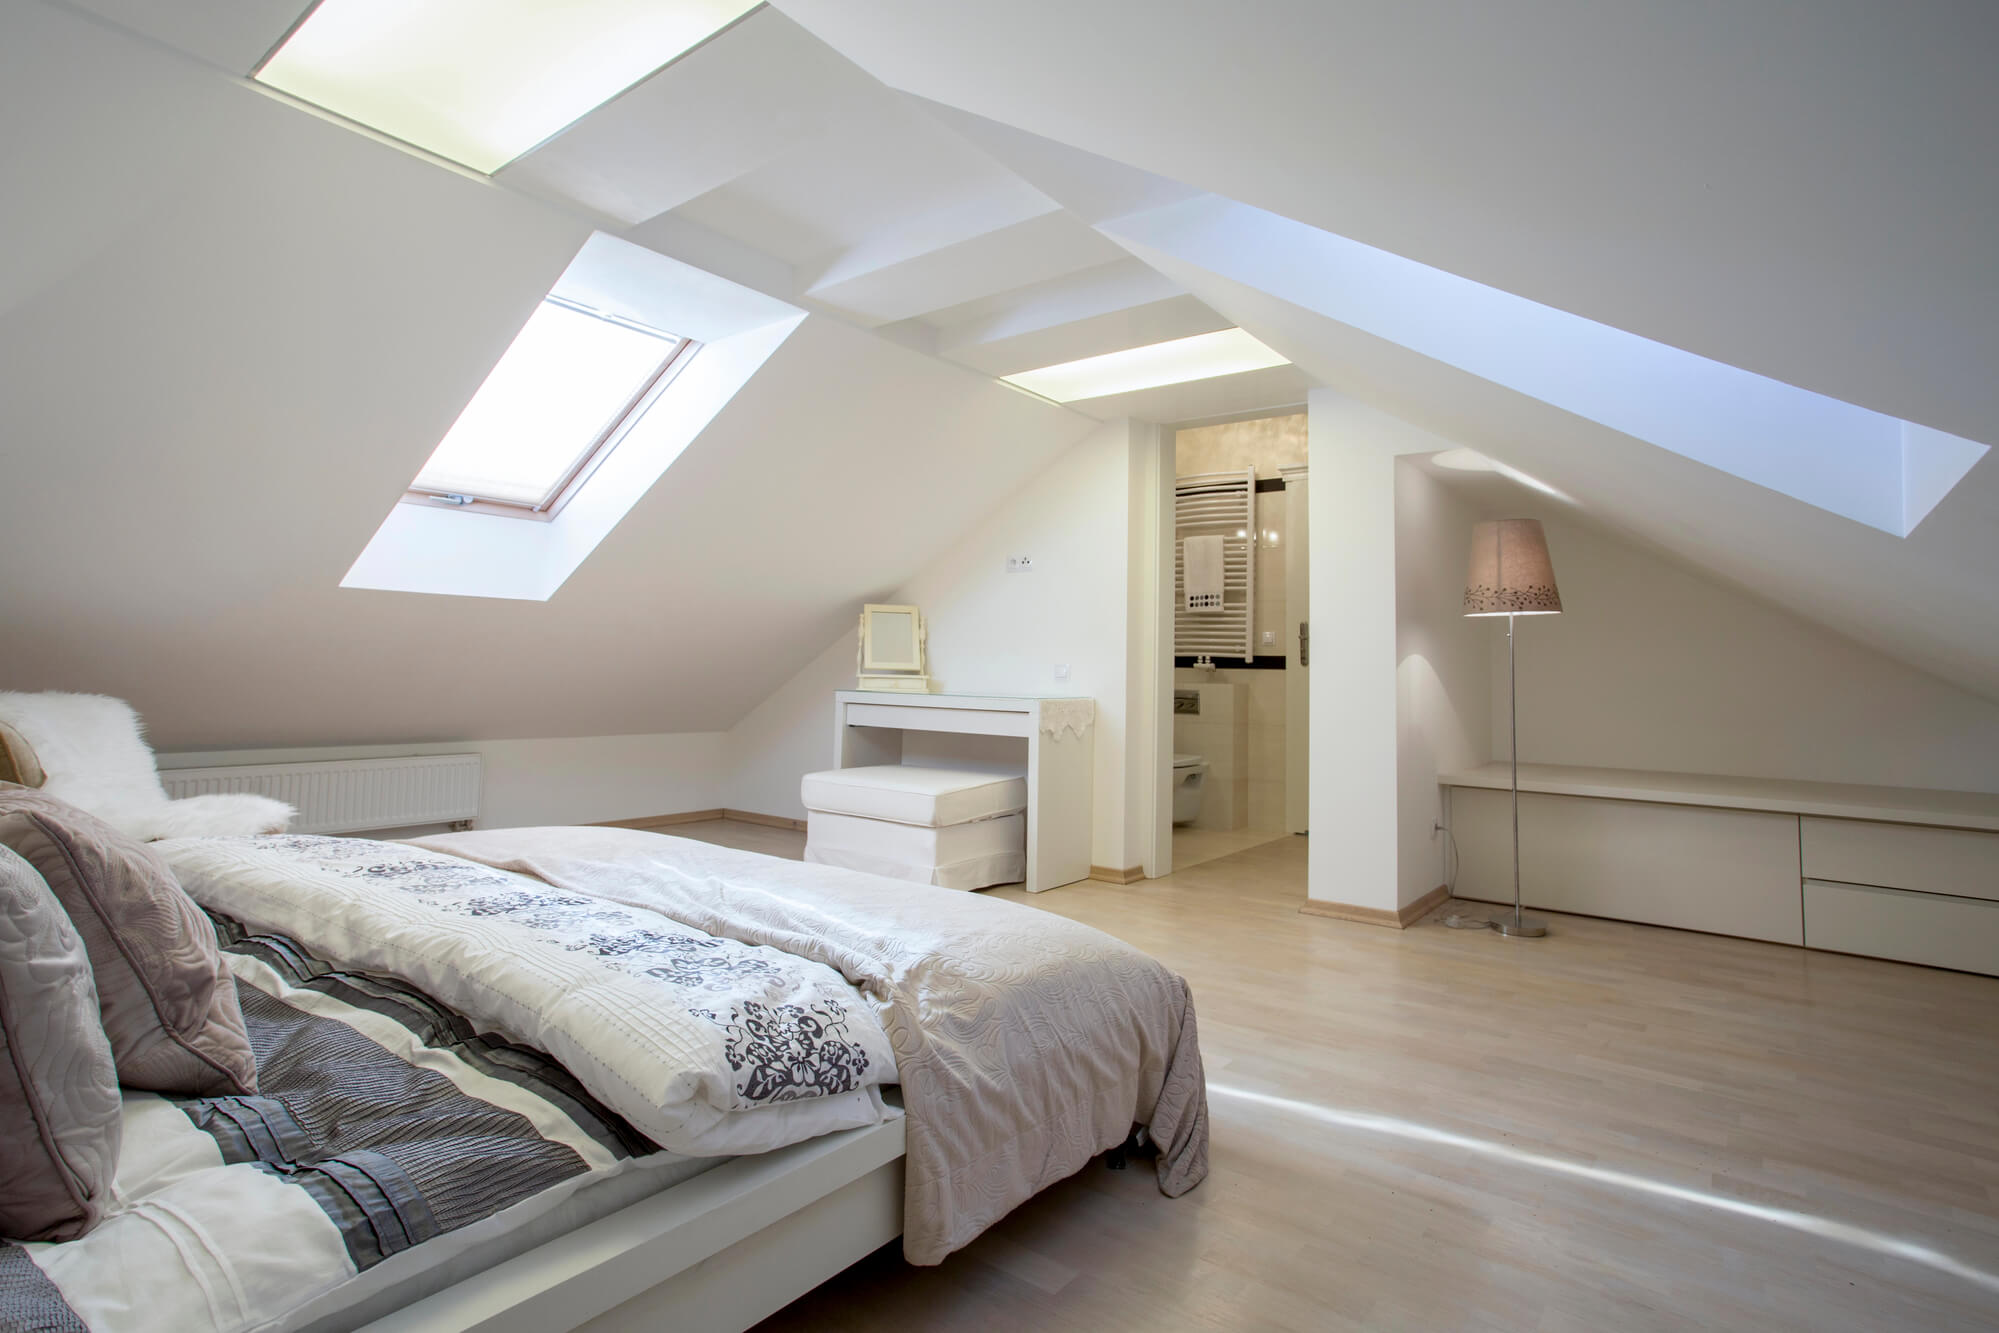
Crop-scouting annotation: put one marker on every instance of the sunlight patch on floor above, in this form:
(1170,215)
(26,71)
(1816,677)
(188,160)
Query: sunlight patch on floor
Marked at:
(1827,1228)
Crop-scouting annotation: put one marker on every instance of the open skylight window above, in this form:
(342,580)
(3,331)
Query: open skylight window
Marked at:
(482,81)
(583,414)
(571,383)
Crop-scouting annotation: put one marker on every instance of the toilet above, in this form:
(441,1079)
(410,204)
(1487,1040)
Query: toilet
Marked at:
(1190,775)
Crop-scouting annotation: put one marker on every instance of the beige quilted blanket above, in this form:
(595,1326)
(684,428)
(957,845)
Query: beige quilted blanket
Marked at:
(1026,1043)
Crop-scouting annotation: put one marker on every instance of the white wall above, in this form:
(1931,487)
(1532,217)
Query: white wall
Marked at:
(566,780)
(1653,666)
(1443,669)
(1353,744)
(997,633)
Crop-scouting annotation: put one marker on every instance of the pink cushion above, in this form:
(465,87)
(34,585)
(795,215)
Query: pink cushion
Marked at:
(168,1001)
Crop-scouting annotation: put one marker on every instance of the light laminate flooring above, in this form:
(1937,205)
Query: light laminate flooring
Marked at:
(1194,846)
(1617,1127)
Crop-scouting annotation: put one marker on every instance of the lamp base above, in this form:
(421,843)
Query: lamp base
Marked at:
(1526,928)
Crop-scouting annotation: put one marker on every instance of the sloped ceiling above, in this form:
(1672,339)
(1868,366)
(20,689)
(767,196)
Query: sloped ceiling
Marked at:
(217,383)
(1812,196)
(1808,192)
(229,339)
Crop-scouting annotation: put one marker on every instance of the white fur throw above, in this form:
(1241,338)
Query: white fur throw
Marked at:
(91,748)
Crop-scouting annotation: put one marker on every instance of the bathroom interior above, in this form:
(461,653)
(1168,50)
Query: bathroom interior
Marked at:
(1241,637)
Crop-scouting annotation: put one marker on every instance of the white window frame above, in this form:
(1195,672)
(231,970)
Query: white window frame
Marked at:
(592,456)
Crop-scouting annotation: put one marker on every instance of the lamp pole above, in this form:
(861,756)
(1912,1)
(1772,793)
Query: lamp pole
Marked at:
(1520,927)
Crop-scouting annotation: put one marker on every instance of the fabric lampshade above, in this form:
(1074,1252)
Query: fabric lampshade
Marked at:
(1510,572)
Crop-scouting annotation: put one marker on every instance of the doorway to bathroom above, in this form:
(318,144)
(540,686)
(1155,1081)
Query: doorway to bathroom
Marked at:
(1241,634)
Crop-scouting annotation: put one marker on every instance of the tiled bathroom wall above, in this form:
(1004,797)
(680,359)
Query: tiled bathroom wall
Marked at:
(1258,727)
(1266,444)
(1219,734)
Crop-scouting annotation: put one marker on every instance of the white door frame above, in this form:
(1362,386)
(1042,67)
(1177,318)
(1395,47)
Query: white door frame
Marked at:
(1151,593)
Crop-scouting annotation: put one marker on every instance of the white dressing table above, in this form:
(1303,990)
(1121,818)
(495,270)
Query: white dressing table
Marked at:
(868,727)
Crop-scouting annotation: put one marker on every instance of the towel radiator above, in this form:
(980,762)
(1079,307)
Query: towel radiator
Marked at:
(1216,504)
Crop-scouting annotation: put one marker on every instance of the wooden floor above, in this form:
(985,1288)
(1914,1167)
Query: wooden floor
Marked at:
(1193,846)
(1614,1128)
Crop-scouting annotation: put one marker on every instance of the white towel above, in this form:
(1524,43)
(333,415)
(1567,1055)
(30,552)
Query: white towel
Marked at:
(1203,557)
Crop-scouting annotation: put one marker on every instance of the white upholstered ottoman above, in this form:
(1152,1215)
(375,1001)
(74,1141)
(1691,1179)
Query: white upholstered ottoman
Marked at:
(944,826)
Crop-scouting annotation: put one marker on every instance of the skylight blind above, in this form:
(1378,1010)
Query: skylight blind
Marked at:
(570,376)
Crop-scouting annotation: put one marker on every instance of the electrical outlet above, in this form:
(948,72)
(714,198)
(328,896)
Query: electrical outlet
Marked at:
(1020,564)
(1061,671)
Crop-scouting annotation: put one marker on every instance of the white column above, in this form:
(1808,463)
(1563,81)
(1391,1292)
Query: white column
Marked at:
(1353,856)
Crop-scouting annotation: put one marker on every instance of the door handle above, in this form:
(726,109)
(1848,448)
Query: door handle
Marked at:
(1304,643)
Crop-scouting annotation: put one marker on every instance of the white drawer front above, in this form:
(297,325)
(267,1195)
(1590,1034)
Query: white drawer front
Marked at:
(1961,862)
(1962,933)
(969,721)
(1731,872)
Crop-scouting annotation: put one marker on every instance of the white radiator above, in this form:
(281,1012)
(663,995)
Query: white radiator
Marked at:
(1217,504)
(350,795)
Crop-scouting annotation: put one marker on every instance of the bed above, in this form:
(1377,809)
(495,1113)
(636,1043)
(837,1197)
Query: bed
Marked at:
(566,1078)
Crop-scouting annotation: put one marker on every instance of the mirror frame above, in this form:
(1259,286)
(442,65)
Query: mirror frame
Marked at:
(870,660)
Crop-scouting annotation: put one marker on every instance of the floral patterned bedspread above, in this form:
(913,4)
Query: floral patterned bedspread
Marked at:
(708,1046)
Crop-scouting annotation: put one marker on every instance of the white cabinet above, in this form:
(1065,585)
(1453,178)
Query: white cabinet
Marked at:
(1730,872)
(1885,872)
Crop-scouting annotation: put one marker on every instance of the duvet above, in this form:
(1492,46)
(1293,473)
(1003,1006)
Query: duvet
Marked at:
(1026,1043)
(708,1046)
(383,1120)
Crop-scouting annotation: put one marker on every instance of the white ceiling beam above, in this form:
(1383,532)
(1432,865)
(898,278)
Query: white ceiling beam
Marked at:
(752,94)
(1180,316)
(1119,285)
(994,261)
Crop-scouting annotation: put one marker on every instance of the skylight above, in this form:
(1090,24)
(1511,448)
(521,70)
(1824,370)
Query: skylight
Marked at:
(582,415)
(1845,459)
(1203,356)
(572,378)
(482,81)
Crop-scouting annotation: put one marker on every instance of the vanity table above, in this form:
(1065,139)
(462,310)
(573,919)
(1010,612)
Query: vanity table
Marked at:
(868,728)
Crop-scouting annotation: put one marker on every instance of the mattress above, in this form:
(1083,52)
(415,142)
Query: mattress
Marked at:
(956,856)
(928,797)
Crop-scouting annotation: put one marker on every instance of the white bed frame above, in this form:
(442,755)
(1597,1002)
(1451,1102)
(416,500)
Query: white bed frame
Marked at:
(714,1254)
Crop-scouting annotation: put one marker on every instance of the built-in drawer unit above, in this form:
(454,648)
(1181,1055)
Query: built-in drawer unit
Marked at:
(1730,872)
(1885,872)
(1961,862)
(1927,928)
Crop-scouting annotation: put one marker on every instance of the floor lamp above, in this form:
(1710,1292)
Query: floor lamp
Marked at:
(1510,575)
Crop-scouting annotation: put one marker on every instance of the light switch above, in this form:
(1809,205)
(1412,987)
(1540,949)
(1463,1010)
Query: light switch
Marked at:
(1270,638)
(1061,671)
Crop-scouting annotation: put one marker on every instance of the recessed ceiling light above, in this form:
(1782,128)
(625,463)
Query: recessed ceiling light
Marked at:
(1201,357)
(1463,460)
(482,81)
